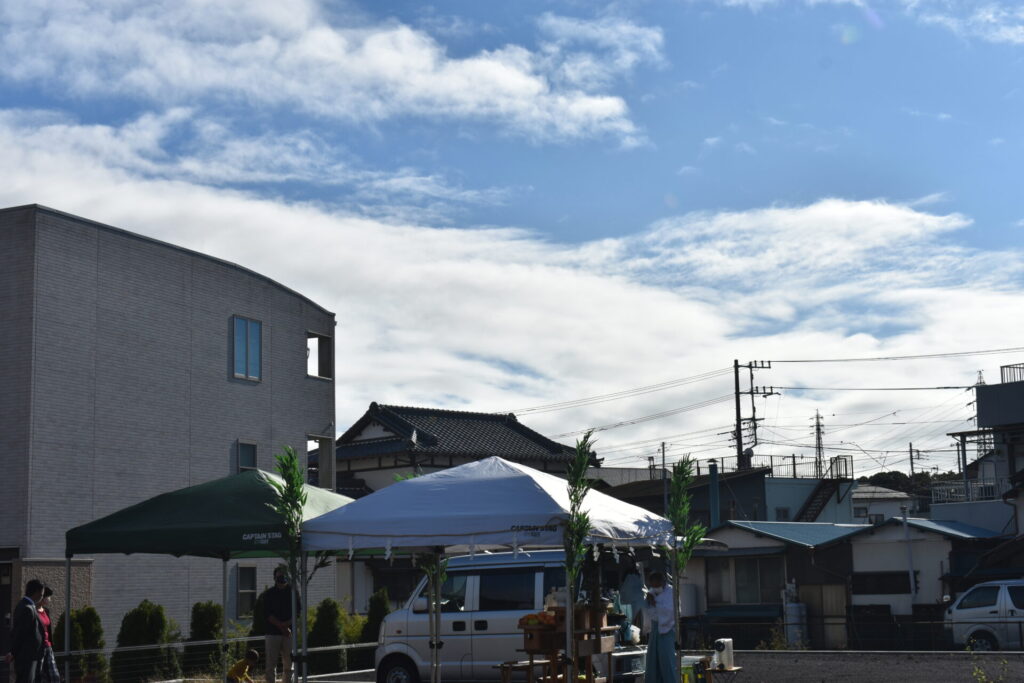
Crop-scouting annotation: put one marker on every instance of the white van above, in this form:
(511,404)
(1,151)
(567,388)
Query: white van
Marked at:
(989,616)
(483,598)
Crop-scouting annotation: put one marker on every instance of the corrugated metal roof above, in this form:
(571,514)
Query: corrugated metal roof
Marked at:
(950,528)
(808,534)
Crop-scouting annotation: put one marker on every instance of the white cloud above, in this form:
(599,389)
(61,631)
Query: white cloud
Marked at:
(745,148)
(493,319)
(209,153)
(994,22)
(712,141)
(295,57)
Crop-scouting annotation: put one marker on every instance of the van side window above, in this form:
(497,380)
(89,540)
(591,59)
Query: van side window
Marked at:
(453,593)
(554,577)
(983,596)
(507,589)
(1017,595)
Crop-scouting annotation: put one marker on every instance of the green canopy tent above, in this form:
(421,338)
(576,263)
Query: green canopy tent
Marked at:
(231,517)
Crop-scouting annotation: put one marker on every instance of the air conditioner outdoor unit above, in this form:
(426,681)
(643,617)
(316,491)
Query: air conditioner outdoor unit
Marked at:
(723,648)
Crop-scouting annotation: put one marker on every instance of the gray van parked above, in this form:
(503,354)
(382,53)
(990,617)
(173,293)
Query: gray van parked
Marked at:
(483,598)
(989,616)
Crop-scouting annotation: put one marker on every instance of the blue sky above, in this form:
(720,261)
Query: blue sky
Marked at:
(511,204)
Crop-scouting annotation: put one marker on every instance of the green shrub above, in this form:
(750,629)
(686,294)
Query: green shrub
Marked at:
(206,624)
(86,634)
(145,625)
(327,631)
(379,608)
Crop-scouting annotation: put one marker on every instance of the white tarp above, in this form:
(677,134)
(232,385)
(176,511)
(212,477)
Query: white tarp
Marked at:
(489,503)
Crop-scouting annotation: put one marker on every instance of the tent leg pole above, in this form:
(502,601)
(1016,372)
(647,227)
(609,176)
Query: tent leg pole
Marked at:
(305,620)
(294,635)
(67,618)
(437,617)
(224,619)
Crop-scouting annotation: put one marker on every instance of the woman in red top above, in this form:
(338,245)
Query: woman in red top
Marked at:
(49,672)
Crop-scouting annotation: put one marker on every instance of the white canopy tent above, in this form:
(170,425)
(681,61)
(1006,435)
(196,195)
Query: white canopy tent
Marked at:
(488,504)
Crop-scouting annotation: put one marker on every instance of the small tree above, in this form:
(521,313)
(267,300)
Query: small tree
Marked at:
(577,528)
(687,533)
(86,634)
(290,504)
(206,624)
(145,625)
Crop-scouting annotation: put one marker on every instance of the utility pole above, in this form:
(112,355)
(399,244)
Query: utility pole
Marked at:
(910,447)
(664,480)
(742,461)
(819,449)
(739,417)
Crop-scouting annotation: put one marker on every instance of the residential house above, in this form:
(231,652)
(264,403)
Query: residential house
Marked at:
(854,579)
(875,504)
(131,367)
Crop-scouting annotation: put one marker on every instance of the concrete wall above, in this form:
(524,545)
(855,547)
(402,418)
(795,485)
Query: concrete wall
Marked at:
(133,394)
(994,515)
(17,264)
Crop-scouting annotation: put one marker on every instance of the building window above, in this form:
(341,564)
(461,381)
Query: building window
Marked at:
(860,512)
(881,583)
(248,348)
(876,519)
(718,580)
(781,514)
(753,580)
(319,356)
(246,591)
(246,456)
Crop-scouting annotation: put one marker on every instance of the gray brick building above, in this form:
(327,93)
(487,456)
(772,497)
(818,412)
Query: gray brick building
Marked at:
(130,367)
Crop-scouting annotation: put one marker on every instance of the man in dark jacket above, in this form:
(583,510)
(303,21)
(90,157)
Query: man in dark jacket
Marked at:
(277,605)
(27,635)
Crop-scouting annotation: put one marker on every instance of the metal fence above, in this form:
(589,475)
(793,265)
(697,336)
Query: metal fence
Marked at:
(972,489)
(845,632)
(202,661)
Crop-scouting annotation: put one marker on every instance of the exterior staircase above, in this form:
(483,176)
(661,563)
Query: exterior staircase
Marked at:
(818,499)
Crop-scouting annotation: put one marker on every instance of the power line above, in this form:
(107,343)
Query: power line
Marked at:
(624,393)
(922,356)
(647,418)
(871,388)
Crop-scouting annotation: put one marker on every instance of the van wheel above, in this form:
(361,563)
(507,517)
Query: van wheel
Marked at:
(397,670)
(982,642)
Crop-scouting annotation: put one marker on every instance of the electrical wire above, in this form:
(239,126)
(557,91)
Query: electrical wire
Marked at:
(647,418)
(625,393)
(922,356)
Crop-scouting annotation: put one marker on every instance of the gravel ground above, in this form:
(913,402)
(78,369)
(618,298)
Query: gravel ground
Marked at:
(863,667)
(904,667)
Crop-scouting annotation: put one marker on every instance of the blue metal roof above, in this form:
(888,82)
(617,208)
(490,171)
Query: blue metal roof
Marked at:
(949,528)
(808,534)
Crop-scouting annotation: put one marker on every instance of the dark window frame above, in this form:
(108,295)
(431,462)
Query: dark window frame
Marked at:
(252,369)
(325,355)
(239,467)
(251,593)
